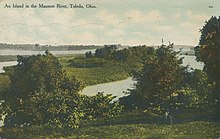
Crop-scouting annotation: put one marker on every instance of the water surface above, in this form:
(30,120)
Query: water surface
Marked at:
(5,64)
(115,88)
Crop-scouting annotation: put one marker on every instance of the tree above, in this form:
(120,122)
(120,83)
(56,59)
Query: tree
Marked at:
(122,55)
(208,51)
(158,80)
(40,93)
(105,52)
(138,53)
(209,48)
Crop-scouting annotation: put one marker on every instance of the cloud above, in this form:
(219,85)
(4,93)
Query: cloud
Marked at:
(13,17)
(13,36)
(115,32)
(177,16)
(144,17)
(165,28)
(124,22)
(83,38)
(194,22)
(197,16)
(107,17)
(63,17)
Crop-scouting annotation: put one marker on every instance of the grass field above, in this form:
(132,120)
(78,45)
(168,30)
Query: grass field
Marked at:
(90,71)
(197,130)
(130,125)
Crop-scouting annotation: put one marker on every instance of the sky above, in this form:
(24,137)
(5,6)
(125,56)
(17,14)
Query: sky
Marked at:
(126,22)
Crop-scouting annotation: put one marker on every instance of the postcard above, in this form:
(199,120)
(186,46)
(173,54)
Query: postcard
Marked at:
(109,69)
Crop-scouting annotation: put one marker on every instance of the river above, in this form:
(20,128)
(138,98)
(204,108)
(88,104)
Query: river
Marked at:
(5,64)
(191,61)
(115,88)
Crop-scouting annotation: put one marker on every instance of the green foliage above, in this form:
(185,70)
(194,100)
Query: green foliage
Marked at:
(208,52)
(131,59)
(209,48)
(100,106)
(40,93)
(81,62)
(105,52)
(200,130)
(138,53)
(158,80)
(187,130)
(184,98)
(165,85)
(90,71)
(134,57)
(4,82)
(197,80)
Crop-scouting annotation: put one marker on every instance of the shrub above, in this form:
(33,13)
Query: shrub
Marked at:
(100,106)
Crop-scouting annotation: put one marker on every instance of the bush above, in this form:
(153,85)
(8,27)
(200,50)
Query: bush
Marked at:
(100,106)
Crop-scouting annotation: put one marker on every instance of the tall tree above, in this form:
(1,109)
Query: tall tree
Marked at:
(208,51)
